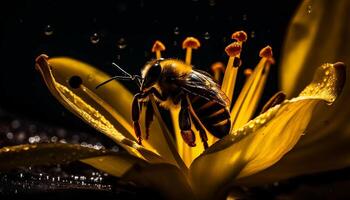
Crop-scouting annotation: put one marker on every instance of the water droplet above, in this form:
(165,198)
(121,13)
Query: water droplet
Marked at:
(83,144)
(15,124)
(62,141)
(20,136)
(176,30)
(212,3)
(309,9)
(31,140)
(206,35)
(48,30)
(121,44)
(9,135)
(90,78)
(115,148)
(252,34)
(54,139)
(36,138)
(94,38)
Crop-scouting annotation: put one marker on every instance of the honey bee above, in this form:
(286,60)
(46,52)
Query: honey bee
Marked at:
(175,83)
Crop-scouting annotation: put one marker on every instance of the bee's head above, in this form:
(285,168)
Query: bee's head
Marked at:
(150,74)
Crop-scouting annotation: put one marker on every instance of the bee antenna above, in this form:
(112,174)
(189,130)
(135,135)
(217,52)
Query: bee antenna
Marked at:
(128,77)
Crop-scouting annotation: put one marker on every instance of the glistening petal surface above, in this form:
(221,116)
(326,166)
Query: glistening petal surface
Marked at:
(263,141)
(106,109)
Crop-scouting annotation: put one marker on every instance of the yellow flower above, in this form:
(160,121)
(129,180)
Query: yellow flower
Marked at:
(165,162)
(316,34)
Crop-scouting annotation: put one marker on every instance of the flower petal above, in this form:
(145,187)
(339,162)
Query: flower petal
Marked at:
(314,38)
(263,141)
(58,153)
(106,109)
(164,178)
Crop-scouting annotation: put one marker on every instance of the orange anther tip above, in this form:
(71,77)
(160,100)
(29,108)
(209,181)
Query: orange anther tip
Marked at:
(158,46)
(233,49)
(248,72)
(191,42)
(218,66)
(240,36)
(266,52)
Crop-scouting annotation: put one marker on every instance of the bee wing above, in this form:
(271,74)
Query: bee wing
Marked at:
(200,84)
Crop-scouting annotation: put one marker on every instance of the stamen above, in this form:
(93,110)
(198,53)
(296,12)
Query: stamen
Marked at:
(247,101)
(158,46)
(234,52)
(240,36)
(190,43)
(218,70)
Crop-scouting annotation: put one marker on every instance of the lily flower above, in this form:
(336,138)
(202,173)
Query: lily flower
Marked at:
(164,162)
(315,36)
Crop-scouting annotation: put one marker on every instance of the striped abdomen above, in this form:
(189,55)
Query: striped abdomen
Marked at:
(214,117)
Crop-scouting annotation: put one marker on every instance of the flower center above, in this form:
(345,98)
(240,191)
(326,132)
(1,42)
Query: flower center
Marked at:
(243,108)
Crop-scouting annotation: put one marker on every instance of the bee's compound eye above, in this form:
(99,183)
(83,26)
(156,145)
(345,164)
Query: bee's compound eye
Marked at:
(75,82)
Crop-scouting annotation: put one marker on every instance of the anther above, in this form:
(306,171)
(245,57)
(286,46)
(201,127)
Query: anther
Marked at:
(240,36)
(190,43)
(218,70)
(233,49)
(158,46)
(266,52)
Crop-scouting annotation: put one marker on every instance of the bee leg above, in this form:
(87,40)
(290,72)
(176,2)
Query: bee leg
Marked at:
(149,117)
(201,130)
(149,110)
(177,97)
(155,92)
(185,124)
(136,116)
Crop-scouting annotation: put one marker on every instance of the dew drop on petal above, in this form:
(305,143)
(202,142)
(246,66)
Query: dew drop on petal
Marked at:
(48,30)
(309,9)
(94,38)
(90,78)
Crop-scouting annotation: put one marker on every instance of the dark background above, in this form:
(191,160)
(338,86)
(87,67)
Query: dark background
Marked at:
(126,31)
(102,32)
